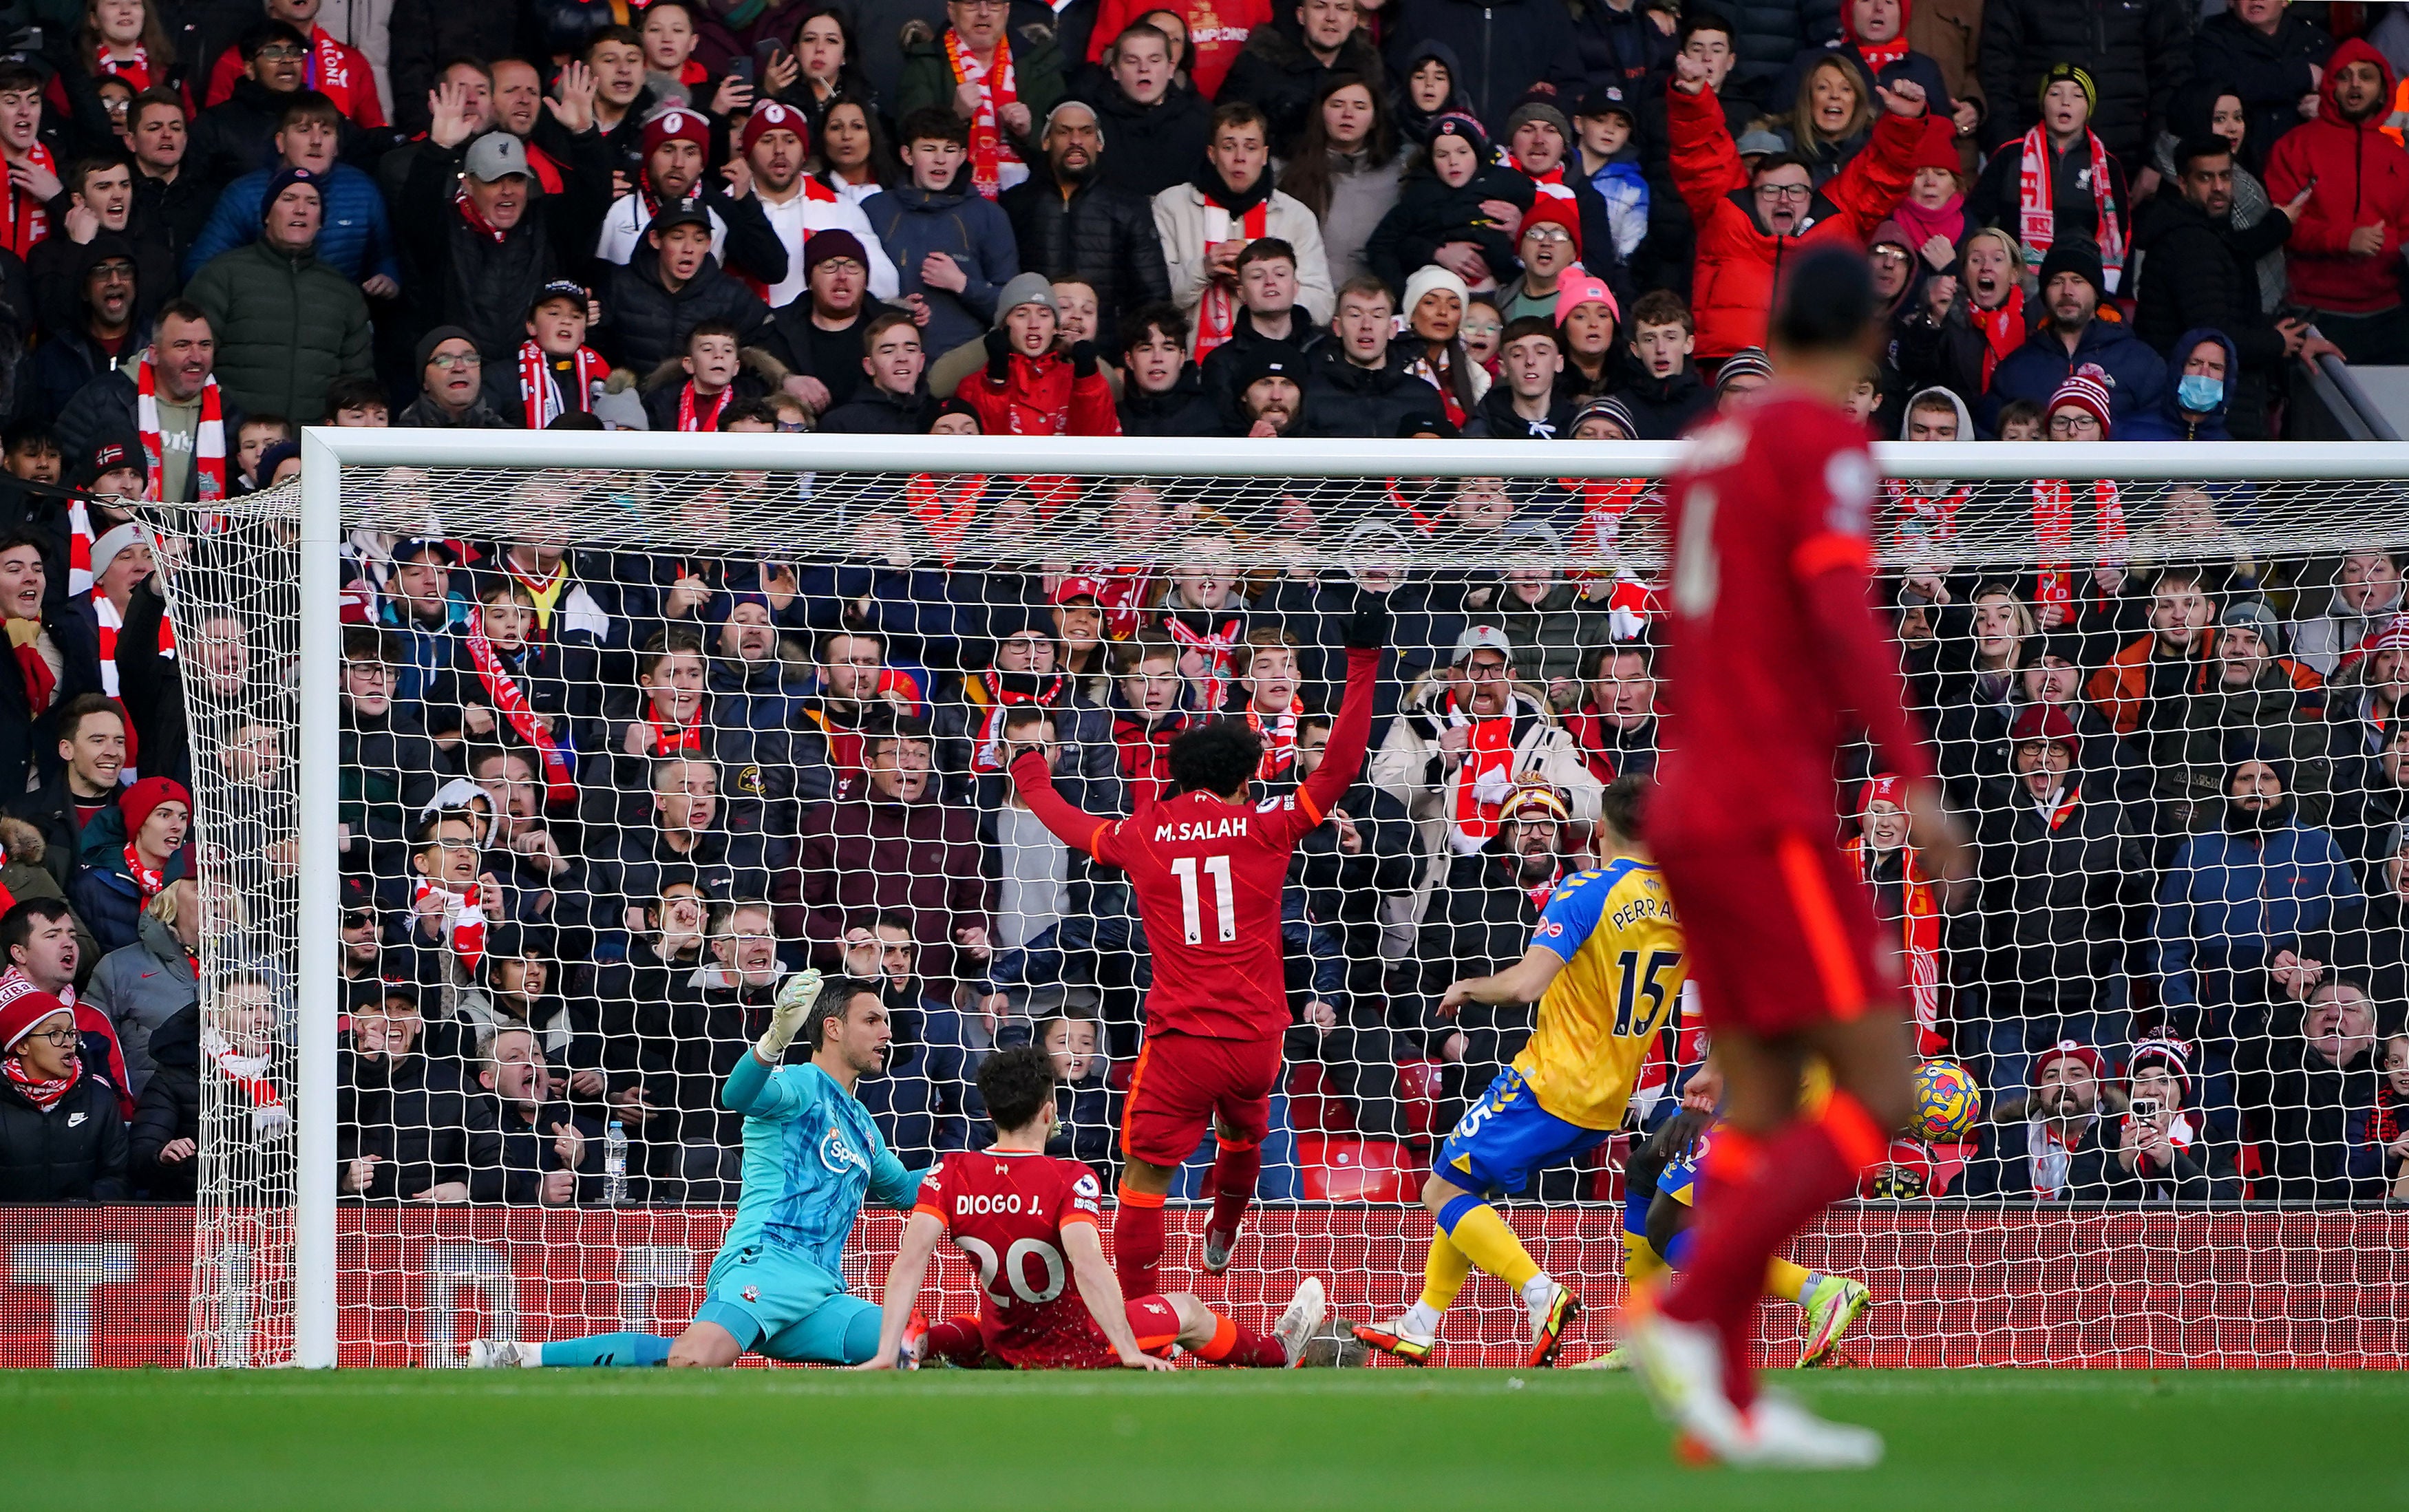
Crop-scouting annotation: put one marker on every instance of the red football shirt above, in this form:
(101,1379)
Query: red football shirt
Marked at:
(1773,654)
(1007,1210)
(1208,875)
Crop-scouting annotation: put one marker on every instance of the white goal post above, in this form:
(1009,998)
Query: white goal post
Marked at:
(2310,499)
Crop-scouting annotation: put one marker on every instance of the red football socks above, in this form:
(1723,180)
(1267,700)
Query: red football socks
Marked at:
(1234,1170)
(1137,1241)
(1756,1197)
(1234,1346)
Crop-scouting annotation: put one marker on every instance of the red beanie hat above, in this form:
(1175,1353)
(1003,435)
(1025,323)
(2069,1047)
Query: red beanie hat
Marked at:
(2082,392)
(677,125)
(1938,147)
(22,1005)
(2069,1050)
(768,116)
(1554,207)
(1885,789)
(139,802)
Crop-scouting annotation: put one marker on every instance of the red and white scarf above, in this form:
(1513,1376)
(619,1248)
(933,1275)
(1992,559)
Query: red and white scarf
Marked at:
(1217,313)
(111,620)
(476,221)
(464,920)
(674,739)
(150,880)
(541,399)
(1923,519)
(89,1021)
(2037,217)
(1213,645)
(2002,329)
(560,783)
(691,418)
(29,219)
(41,683)
(134,70)
(2053,534)
(41,1091)
(1279,734)
(248,1075)
(208,437)
(990,148)
(997,697)
(945,507)
(1488,766)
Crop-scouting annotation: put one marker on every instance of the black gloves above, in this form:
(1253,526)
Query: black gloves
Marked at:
(1368,628)
(1083,359)
(999,352)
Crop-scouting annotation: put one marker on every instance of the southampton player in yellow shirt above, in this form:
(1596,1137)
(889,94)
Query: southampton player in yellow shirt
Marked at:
(1605,966)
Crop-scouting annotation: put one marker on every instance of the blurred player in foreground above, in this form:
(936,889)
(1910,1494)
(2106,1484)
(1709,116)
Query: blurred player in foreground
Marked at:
(1029,1221)
(1605,966)
(812,1157)
(1207,866)
(1773,659)
(1659,1197)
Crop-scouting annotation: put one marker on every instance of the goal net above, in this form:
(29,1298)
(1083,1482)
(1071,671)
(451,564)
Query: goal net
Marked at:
(528,764)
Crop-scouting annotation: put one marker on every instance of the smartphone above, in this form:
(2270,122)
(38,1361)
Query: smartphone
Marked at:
(765,54)
(740,68)
(2143,1110)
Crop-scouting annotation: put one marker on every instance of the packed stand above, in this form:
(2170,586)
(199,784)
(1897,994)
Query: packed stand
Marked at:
(596,803)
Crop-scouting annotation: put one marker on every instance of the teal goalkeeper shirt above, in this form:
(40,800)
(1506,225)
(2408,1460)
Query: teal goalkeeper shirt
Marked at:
(812,1158)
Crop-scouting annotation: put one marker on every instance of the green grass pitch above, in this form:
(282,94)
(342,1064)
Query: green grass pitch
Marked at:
(1441,1440)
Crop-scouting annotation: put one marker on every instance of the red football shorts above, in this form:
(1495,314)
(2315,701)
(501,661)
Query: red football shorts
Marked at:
(1781,934)
(1183,1082)
(1153,1319)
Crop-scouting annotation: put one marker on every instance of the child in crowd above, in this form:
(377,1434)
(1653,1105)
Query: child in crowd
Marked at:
(1610,160)
(1458,208)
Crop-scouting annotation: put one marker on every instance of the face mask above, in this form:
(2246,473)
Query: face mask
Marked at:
(2199,392)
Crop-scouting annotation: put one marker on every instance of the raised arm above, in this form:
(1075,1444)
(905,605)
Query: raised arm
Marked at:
(1367,633)
(1071,825)
(922,1231)
(753,1088)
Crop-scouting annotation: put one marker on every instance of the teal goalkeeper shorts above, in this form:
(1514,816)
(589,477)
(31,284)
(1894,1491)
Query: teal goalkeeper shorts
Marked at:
(1506,1138)
(788,1309)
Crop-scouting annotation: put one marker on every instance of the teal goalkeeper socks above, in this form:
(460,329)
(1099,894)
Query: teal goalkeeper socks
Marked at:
(612,1349)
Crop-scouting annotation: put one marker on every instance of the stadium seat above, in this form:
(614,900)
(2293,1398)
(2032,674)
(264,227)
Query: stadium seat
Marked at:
(1418,1089)
(1341,1169)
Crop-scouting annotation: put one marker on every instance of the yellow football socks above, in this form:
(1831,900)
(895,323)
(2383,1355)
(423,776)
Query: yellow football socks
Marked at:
(1787,1280)
(1642,1264)
(1444,1273)
(1487,1241)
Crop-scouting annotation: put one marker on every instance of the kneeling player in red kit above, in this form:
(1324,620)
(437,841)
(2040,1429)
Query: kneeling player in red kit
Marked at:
(1029,1221)
(1207,867)
(1773,659)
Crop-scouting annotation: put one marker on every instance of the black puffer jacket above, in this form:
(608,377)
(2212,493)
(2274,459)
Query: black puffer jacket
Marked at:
(171,1109)
(229,140)
(1507,46)
(2269,74)
(1183,410)
(2137,53)
(1103,233)
(74,1151)
(427,34)
(1369,402)
(1772,33)
(646,323)
(1280,74)
(467,278)
(1148,148)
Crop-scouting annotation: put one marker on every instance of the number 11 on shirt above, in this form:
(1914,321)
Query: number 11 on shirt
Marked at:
(1225,912)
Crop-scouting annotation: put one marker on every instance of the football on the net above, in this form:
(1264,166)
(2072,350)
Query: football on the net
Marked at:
(1948,1100)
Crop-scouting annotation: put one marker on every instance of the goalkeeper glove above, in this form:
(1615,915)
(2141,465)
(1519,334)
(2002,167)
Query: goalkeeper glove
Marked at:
(1368,628)
(796,995)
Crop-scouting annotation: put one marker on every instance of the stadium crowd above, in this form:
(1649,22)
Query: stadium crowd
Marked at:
(597,802)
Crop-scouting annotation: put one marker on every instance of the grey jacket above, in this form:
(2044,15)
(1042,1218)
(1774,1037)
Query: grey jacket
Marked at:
(140,987)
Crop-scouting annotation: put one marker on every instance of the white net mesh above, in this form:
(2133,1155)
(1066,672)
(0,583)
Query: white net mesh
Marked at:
(620,748)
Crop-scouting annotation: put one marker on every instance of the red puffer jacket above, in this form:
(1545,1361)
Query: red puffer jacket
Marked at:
(2362,177)
(1738,261)
(1040,396)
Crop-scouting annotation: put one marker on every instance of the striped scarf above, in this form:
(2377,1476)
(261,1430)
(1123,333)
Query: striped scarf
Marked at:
(29,219)
(2037,216)
(2053,521)
(110,620)
(134,70)
(208,438)
(541,399)
(464,921)
(990,150)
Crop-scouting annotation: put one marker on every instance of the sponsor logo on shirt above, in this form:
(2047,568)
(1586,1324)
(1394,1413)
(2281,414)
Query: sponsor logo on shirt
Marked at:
(839,1156)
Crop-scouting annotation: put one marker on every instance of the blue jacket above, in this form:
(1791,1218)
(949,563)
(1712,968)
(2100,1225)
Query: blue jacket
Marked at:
(2168,422)
(2231,899)
(2136,376)
(104,896)
(913,223)
(355,239)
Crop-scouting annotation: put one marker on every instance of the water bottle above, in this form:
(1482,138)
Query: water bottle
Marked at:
(615,1166)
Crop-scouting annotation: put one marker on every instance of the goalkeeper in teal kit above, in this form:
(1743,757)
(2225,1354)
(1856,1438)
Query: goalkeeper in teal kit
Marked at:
(812,1158)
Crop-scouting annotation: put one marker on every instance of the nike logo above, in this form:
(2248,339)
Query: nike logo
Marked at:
(75,1119)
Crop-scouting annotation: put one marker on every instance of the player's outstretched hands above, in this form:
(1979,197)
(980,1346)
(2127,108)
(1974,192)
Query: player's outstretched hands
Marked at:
(1136,1359)
(796,995)
(1370,627)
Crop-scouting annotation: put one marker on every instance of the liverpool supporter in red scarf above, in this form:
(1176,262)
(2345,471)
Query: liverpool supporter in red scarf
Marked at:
(557,372)
(986,93)
(341,72)
(33,173)
(41,1070)
(1905,899)
(693,402)
(1024,674)
(1263,669)
(1148,711)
